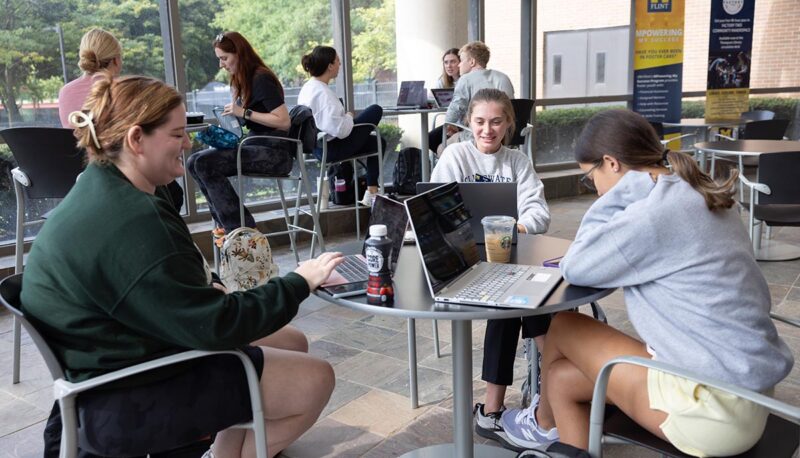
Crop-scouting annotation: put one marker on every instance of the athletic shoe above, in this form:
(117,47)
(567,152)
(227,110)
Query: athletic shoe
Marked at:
(488,426)
(208,454)
(369,198)
(522,430)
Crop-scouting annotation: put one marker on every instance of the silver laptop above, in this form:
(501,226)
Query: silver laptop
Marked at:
(451,259)
(443,96)
(484,199)
(412,95)
(350,277)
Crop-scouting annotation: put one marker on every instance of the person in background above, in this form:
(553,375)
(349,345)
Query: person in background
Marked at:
(99,53)
(138,289)
(99,50)
(450,72)
(448,79)
(474,57)
(322,64)
(258,102)
(484,158)
(694,293)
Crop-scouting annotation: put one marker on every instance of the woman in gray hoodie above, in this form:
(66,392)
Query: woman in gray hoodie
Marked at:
(694,294)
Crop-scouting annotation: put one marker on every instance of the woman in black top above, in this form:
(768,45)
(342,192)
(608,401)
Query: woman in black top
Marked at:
(258,100)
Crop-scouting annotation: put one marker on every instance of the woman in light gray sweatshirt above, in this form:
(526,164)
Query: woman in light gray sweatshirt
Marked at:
(484,158)
(693,291)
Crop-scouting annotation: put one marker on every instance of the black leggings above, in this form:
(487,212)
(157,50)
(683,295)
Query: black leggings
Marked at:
(500,345)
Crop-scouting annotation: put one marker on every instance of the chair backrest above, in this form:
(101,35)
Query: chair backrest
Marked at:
(658,127)
(10,289)
(779,172)
(758,115)
(772,129)
(49,156)
(522,116)
(303,127)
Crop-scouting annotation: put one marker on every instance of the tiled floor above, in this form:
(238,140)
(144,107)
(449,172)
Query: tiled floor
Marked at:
(369,413)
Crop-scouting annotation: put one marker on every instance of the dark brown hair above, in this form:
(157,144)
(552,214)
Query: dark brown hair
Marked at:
(447,79)
(630,139)
(117,104)
(249,64)
(318,60)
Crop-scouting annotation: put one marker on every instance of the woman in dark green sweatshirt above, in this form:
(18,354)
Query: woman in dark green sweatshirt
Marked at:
(114,280)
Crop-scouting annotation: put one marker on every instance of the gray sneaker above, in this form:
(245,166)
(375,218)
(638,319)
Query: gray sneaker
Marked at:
(490,426)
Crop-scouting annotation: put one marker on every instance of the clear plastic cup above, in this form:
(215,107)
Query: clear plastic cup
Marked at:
(497,232)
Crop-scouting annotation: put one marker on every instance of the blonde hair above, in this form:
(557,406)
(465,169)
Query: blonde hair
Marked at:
(478,51)
(98,48)
(499,97)
(115,105)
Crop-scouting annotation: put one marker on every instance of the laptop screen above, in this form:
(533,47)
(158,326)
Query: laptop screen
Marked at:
(393,215)
(444,237)
(443,96)
(412,93)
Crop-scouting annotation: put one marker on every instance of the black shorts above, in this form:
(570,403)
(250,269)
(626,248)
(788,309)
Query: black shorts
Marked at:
(153,417)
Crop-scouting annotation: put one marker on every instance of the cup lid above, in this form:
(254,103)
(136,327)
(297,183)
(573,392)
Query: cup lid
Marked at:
(498,219)
(377,230)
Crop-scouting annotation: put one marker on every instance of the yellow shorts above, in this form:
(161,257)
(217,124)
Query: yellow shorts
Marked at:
(704,421)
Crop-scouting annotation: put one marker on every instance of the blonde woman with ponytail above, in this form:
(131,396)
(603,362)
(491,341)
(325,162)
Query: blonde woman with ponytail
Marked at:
(99,51)
(114,280)
(694,294)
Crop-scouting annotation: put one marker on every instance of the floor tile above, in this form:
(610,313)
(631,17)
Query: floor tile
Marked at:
(330,438)
(378,412)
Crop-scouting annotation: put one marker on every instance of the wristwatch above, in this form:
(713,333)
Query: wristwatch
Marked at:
(247,113)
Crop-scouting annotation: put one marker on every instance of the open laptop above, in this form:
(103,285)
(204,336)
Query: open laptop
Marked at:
(350,277)
(443,96)
(451,261)
(484,199)
(412,95)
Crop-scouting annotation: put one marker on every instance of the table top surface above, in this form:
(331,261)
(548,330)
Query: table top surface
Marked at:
(390,112)
(701,122)
(413,298)
(749,147)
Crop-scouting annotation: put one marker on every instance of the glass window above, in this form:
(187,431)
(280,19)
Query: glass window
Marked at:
(557,69)
(41,47)
(600,68)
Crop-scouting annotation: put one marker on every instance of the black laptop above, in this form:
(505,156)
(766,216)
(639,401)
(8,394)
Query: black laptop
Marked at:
(443,96)
(412,95)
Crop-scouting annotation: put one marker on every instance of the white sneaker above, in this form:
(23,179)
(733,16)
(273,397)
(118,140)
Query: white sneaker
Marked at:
(522,429)
(369,198)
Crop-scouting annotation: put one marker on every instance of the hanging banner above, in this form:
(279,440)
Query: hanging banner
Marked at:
(729,47)
(658,59)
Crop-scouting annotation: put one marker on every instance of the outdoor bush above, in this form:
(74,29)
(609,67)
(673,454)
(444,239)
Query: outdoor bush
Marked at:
(391,133)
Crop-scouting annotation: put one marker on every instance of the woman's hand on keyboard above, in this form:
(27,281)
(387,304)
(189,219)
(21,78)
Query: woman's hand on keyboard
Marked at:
(316,271)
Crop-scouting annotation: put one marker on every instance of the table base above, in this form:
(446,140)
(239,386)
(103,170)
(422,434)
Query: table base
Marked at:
(772,250)
(449,450)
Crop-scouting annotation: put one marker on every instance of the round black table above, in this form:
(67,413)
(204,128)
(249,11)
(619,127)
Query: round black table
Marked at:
(413,301)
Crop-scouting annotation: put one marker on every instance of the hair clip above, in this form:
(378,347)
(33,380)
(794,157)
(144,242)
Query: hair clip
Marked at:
(81,119)
(664,156)
(220,37)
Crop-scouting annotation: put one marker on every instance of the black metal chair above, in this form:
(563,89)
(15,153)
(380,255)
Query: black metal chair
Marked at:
(48,163)
(66,392)
(780,438)
(773,129)
(777,202)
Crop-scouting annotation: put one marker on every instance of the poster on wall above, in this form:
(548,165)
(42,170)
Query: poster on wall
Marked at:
(658,59)
(729,55)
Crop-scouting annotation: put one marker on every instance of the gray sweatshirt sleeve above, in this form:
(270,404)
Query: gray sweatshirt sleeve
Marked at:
(533,211)
(610,233)
(458,106)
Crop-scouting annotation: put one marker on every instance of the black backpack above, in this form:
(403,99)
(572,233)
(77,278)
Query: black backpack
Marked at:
(407,171)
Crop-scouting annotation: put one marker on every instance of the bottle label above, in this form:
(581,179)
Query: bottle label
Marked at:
(374,259)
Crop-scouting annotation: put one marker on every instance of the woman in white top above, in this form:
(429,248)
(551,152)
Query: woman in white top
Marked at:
(322,63)
(485,158)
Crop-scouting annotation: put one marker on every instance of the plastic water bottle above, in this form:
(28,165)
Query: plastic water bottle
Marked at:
(380,289)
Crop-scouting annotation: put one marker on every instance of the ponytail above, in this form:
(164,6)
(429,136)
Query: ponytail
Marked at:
(717,195)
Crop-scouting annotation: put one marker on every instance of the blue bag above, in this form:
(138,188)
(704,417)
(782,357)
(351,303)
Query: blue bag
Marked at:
(217,137)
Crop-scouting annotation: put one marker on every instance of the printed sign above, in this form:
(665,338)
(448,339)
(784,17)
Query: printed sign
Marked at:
(729,55)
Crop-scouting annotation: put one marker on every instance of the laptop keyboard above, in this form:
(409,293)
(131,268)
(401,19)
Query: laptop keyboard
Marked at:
(492,284)
(353,269)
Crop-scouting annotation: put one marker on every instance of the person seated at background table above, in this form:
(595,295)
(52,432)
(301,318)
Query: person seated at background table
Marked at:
(259,102)
(100,52)
(474,77)
(448,79)
(115,280)
(693,291)
(484,158)
(322,64)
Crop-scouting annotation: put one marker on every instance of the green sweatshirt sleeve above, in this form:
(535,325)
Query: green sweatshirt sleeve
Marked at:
(170,302)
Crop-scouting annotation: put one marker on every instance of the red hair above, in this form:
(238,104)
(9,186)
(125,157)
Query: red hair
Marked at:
(249,64)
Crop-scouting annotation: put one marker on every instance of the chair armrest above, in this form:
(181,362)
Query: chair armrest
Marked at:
(760,187)
(724,136)
(526,130)
(790,412)
(436,118)
(20,177)
(63,388)
(456,124)
(787,320)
